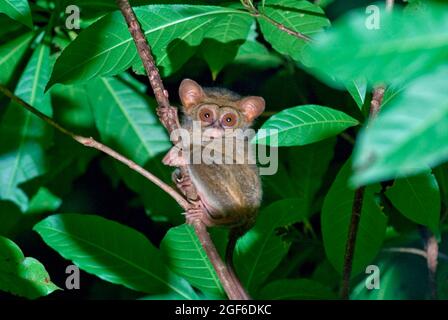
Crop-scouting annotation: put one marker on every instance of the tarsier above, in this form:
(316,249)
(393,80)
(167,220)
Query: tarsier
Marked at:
(229,193)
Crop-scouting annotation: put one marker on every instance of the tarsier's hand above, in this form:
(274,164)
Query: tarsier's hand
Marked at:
(175,157)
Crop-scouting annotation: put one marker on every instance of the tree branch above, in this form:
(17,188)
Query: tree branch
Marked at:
(168,117)
(256,13)
(351,241)
(92,143)
(375,106)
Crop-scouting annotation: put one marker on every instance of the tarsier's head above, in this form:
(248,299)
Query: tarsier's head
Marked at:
(218,109)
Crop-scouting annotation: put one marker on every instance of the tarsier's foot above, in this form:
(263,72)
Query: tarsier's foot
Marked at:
(174,157)
(184,184)
(197,213)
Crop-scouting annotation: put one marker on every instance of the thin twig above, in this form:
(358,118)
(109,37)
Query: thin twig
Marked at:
(375,106)
(92,143)
(351,241)
(256,13)
(168,117)
(419,252)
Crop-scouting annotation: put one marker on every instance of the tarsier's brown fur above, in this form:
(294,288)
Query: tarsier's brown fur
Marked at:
(230,193)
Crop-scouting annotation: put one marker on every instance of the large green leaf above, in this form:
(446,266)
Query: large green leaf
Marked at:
(184,255)
(397,279)
(295,289)
(224,39)
(407,136)
(441,173)
(303,125)
(10,55)
(357,89)
(253,53)
(127,122)
(307,166)
(73,110)
(260,250)
(301,16)
(69,159)
(18,10)
(22,276)
(43,201)
(173,31)
(411,43)
(126,119)
(111,251)
(336,217)
(418,198)
(23,136)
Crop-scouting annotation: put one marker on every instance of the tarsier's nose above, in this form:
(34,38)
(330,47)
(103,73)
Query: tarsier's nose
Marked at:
(215,131)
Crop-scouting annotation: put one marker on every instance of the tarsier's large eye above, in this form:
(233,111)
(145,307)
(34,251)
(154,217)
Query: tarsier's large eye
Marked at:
(206,115)
(229,119)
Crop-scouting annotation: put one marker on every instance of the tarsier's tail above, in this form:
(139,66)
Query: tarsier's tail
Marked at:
(234,235)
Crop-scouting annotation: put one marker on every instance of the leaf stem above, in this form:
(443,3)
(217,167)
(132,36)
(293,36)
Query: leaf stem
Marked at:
(256,13)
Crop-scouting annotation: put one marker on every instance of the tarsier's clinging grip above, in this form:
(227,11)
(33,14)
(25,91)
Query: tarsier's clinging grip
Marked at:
(230,193)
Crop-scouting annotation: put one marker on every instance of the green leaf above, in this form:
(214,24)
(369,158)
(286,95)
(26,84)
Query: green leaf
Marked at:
(255,54)
(336,217)
(126,120)
(43,201)
(11,53)
(407,136)
(357,89)
(73,109)
(301,16)
(111,251)
(418,198)
(260,250)
(184,255)
(224,39)
(353,48)
(69,159)
(25,277)
(295,289)
(303,125)
(441,174)
(23,136)
(173,31)
(18,10)
(307,166)
(398,280)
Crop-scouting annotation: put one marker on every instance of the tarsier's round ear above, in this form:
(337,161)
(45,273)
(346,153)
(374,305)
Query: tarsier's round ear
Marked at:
(252,107)
(190,93)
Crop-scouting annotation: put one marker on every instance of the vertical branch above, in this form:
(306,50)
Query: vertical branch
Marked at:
(169,118)
(351,241)
(432,256)
(375,106)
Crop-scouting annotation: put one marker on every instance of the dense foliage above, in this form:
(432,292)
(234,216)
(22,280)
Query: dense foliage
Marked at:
(63,204)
